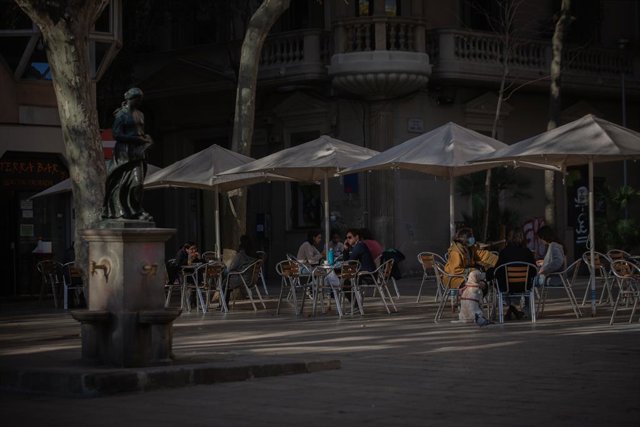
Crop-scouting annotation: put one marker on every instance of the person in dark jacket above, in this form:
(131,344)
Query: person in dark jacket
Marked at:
(356,249)
(515,251)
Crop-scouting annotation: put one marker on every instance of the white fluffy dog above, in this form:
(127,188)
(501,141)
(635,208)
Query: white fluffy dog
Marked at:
(471,298)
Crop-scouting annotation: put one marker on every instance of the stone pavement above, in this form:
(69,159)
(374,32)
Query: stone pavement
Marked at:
(398,369)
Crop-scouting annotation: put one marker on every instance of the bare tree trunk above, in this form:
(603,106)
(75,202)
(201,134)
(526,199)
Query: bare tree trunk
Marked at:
(494,134)
(554,103)
(258,29)
(65,30)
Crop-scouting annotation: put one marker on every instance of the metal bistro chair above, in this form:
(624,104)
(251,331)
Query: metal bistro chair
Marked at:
(52,276)
(290,283)
(195,280)
(249,277)
(72,281)
(379,281)
(444,280)
(348,277)
(601,271)
(567,279)
(212,282)
(618,254)
(627,276)
(518,282)
(320,285)
(427,260)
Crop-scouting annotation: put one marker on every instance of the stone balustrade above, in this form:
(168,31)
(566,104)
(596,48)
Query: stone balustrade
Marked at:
(453,54)
(464,54)
(367,33)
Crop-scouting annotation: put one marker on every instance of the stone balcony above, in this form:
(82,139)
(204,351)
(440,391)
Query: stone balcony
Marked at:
(383,57)
(295,57)
(379,57)
(465,56)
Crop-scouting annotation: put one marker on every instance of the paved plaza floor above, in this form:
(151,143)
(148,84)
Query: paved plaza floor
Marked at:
(399,369)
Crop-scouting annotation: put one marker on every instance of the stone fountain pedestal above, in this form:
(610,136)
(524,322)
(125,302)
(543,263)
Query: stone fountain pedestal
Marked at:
(126,324)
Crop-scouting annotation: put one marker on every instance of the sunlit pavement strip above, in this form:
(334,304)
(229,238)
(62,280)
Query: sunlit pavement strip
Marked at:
(402,368)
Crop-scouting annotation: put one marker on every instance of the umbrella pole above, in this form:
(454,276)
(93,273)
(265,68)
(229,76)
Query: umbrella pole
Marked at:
(592,239)
(216,208)
(452,225)
(326,214)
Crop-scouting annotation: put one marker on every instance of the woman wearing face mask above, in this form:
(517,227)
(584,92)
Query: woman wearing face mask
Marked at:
(464,254)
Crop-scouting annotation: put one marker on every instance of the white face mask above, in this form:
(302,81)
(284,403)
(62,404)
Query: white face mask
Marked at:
(471,241)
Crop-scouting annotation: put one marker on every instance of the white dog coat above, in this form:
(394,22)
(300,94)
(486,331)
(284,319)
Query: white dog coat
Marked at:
(471,298)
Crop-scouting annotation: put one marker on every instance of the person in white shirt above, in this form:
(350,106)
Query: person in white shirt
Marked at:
(308,251)
(554,257)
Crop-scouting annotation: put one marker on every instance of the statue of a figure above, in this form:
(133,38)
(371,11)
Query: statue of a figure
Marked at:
(128,167)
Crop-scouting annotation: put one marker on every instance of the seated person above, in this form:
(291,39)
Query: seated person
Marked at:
(465,254)
(356,249)
(336,245)
(244,256)
(554,258)
(515,251)
(308,251)
(181,259)
(193,255)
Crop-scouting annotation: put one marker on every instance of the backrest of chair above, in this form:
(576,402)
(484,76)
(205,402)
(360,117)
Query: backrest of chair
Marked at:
(601,262)
(51,271)
(622,269)
(618,254)
(349,269)
(427,259)
(255,272)
(212,271)
(385,270)
(288,268)
(72,274)
(518,276)
(443,278)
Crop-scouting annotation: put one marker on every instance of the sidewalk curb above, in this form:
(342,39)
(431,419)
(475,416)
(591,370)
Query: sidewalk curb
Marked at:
(76,382)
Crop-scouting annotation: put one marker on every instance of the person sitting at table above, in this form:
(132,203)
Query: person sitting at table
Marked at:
(193,255)
(308,251)
(374,246)
(336,245)
(516,250)
(465,254)
(181,258)
(245,255)
(356,249)
(554,259)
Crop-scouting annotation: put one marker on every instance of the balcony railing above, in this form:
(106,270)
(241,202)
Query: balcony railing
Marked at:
(295,53)
(473,55)
(453,53)
(368,33)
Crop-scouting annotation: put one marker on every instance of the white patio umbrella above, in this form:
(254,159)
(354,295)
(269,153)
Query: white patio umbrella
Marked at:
(64,186)
(444,151)
(586,140)
(312,161)
(202,171)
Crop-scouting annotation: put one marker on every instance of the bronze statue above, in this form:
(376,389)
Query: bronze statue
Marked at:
(128,167)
